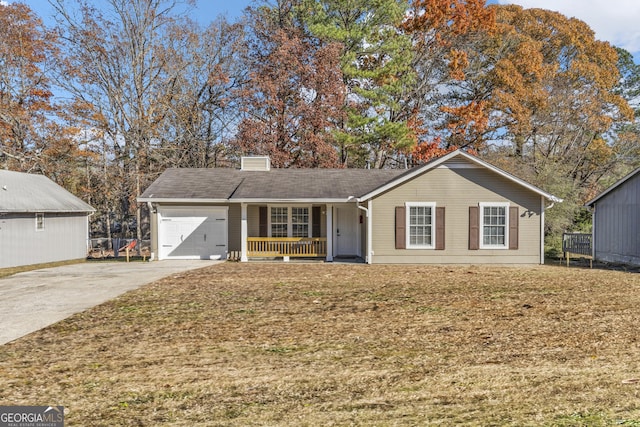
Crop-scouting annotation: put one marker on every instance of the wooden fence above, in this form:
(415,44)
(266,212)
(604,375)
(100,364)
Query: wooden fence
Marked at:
(577,244)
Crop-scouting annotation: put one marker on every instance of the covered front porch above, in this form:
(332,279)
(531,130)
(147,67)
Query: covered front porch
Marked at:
(302,247)
(315,231)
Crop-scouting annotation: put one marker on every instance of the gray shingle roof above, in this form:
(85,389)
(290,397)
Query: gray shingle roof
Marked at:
(275,184)
(23,192)
(300,184)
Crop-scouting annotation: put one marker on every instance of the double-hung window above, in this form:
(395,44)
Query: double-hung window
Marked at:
(289,221)
(494,225)
(299,222)
(420,222)
(279,221)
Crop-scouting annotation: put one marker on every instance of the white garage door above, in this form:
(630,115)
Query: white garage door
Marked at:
(192,233)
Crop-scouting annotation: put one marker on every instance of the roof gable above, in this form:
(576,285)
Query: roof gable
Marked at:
(457,159)
(23,192)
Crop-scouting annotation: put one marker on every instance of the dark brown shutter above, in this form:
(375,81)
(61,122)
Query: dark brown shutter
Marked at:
(263,222)
(401,228)
(440,228)
(316,217)
(474,228)
(514,217)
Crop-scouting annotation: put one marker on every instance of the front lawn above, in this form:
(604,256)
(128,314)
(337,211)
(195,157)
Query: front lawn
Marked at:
(292,344)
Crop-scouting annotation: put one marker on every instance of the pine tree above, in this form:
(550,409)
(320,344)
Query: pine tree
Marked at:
(376,65)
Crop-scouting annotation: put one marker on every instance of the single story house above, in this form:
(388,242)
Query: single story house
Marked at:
(616,222)
(40,221)
(454,209)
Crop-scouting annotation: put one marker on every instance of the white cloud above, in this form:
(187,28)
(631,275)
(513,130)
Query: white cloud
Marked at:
(615,21)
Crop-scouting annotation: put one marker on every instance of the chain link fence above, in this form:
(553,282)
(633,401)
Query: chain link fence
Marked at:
(115,248)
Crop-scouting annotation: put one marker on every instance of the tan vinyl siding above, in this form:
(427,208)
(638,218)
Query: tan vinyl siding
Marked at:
(456,188)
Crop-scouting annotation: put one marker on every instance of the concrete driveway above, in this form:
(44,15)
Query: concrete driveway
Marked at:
(31,300)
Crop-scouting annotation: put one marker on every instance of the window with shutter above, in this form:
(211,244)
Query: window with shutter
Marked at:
(419,225)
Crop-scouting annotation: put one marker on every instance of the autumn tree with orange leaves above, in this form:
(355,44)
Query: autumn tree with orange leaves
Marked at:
(552,94)
(294,96)
(446,38)
(30,138)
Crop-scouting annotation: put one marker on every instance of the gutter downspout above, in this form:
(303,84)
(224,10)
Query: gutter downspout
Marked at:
(544,209)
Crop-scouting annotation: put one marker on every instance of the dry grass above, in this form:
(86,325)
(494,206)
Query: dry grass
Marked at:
(10,271)
(320,344)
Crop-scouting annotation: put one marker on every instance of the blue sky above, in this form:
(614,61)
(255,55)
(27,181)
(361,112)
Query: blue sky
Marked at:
(204,12)
(615,21)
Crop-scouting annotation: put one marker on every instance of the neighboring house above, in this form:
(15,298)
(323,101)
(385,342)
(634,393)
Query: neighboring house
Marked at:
(40,221)
(616,222)
(455,209)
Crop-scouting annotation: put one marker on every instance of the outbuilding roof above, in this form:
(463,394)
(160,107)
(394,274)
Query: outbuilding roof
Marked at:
(23,192)
(613,187)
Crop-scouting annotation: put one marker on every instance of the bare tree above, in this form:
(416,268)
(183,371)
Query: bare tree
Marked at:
(116,70)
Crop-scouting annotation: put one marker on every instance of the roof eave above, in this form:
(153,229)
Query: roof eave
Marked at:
(294,200)
(179,200)
(247,200)
(13,211)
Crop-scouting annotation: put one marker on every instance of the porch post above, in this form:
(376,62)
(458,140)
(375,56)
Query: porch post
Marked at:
(243,233)
(542,202)
(369,258)
(329,208)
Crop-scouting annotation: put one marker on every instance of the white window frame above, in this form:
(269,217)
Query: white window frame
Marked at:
(504,205)
(288,214)
(39,224)
(308,223)
(408,206)
(290,218)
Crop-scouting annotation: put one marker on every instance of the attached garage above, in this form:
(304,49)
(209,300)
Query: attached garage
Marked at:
(193,232)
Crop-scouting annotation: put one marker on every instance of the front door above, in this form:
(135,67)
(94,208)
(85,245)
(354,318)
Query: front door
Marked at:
(347,231)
